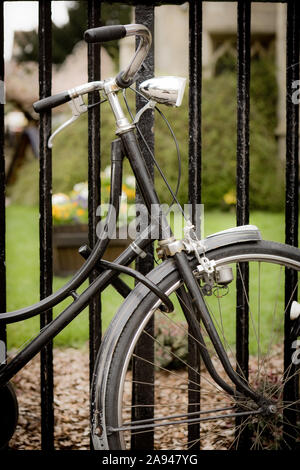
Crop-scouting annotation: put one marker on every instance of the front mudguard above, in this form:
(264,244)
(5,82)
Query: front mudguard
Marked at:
(236,235)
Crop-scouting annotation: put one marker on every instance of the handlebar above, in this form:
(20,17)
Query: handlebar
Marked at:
(107,33)
(123,80)
(51,101)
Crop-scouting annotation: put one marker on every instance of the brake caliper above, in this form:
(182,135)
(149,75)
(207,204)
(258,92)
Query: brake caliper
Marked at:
(210,275)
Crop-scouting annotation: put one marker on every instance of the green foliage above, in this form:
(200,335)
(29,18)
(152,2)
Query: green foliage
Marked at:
(70,161)
(219,131)
(219,139)
(171,343)
(65,37)
(219,112)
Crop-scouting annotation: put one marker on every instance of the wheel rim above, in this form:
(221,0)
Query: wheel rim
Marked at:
(266,430)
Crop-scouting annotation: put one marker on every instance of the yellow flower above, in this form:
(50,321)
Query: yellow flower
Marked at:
(230,198)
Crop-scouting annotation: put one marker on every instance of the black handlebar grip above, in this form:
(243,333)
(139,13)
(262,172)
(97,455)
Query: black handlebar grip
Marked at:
(105,33)
(51,101)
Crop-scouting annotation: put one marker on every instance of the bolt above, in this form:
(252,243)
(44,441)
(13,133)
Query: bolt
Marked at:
(98,431)
(272,409)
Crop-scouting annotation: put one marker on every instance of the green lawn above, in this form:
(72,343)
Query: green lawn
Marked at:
(22,258)
(22,261)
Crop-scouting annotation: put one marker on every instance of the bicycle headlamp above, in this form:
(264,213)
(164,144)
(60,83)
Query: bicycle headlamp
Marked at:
(164,90)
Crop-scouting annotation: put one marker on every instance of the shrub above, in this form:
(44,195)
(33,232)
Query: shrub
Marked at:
(171,346)
(70,154)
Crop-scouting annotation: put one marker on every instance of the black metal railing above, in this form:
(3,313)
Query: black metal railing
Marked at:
(145,13)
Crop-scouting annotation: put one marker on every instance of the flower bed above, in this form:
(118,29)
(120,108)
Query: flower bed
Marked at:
(70,223)
(67,239)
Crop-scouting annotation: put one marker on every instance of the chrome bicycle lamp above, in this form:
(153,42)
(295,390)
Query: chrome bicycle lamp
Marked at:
(164,90)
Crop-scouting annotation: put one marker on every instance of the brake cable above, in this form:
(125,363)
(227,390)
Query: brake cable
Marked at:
(174,195)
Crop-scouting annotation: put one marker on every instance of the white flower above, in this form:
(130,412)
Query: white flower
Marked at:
(60,198)
(130,181)
(84,193)
(107,171)
(79,187)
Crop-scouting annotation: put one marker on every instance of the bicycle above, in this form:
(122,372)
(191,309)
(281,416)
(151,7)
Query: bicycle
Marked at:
(222,401)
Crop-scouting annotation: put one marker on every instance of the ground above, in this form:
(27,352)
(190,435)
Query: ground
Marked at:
(71,404)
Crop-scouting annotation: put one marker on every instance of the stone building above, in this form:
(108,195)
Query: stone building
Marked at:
(268,29)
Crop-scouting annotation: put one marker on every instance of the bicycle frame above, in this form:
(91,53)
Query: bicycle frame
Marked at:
(98,285)
(126,144)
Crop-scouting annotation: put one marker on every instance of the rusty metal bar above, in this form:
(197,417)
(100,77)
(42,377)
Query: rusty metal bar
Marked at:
(2,186)
(242,185)
(45,78)
(243,144)
(144,14)
(291,390)
(195,76)
(94,183)
(94,13)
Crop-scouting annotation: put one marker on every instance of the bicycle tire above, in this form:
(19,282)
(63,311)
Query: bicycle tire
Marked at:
(112,365)
(9,412)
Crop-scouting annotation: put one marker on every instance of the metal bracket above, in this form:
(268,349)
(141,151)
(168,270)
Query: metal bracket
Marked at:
(78,107)
(192,244)
(150,105)
(207,266)
(138,250)
(169,247)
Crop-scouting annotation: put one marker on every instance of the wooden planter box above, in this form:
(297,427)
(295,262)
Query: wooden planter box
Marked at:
(67,239)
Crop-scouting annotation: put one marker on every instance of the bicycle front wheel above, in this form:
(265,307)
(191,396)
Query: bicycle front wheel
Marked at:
(151,389)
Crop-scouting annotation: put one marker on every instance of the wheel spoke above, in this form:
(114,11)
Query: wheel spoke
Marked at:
(213,410)
(134,426)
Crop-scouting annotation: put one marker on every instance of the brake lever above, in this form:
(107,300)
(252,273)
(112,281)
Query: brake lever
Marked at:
(78,107)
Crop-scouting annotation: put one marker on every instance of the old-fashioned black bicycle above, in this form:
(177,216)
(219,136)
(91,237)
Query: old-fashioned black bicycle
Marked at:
(183,310)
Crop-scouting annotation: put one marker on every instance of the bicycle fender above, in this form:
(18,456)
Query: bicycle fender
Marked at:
(241,234)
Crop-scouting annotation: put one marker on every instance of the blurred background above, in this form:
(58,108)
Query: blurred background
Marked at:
(171,57)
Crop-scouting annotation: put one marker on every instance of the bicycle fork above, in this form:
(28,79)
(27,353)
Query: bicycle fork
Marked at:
(199,304)
(150,197)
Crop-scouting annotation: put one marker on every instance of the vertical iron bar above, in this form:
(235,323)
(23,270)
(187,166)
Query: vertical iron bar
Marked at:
(195,74)
(45,78)
(94,183)
(242,214)
(94,13)
(291,390)
(2,186)
(243,110)
(144,372)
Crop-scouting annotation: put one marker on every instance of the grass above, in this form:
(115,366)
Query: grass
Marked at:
(22,260)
